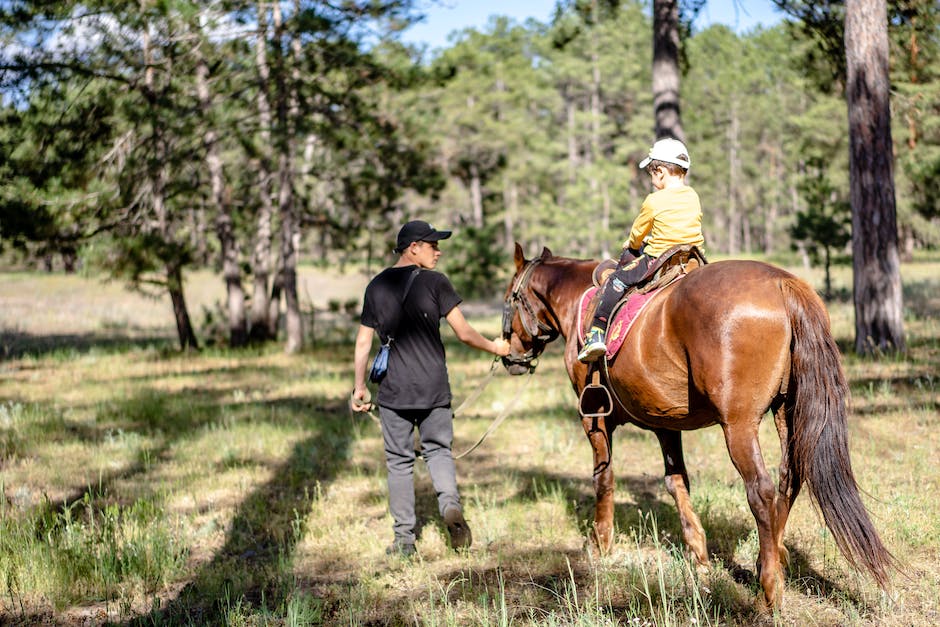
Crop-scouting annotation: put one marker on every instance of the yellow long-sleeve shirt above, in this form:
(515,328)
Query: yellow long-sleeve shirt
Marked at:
(670,217)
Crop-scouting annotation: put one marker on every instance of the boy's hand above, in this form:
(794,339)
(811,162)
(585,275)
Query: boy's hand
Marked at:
(627,255)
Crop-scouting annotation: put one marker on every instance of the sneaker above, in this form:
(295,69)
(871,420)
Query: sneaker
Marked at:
(401,549)
(594,347)
(457,527)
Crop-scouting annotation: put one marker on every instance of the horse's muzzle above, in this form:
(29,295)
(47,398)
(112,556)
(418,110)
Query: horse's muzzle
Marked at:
(516,366)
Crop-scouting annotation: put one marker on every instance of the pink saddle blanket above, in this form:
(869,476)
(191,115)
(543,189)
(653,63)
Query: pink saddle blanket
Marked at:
(622,321)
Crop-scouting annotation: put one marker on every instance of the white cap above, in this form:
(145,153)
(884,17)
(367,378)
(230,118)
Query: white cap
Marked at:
(668,150)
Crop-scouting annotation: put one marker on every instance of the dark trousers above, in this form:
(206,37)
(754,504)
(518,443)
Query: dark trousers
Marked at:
(617,283)
(436,430)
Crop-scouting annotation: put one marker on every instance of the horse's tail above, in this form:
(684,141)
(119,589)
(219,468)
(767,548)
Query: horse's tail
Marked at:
(819,450)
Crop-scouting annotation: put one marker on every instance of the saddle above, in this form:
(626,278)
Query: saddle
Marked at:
(680,259)
(595,400)
(669,267)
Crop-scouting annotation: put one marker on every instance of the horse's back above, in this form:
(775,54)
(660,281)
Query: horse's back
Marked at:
(713,345)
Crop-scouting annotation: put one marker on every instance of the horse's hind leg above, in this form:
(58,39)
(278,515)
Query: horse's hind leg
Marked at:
(744,447)
(677,484)
(599,434)
(789,486)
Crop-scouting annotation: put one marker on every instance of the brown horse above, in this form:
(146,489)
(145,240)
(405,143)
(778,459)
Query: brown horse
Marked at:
(724,345)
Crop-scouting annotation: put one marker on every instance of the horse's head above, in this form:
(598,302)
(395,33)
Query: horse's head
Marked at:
(528,325)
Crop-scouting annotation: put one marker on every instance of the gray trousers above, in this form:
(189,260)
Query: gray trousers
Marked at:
(436,430)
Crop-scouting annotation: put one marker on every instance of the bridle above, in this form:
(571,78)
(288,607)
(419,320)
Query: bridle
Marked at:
(540,332)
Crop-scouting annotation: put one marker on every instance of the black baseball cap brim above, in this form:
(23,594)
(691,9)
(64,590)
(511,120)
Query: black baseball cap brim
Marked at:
(418,231)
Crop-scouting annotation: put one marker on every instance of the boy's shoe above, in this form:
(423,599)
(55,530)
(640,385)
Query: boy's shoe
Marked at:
(594,347)
(402,549)
(457,527)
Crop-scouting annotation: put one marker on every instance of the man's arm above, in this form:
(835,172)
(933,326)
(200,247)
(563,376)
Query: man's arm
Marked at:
(471,337)
(361,398)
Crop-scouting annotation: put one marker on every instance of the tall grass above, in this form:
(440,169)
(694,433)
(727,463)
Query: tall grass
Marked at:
(233,487)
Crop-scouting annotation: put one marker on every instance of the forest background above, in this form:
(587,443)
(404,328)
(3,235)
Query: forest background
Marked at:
(147,140)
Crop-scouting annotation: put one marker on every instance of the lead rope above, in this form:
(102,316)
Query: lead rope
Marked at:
(470,399)
(499,419)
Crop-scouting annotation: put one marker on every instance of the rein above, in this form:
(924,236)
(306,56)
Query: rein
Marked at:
(499,419)
(541,332)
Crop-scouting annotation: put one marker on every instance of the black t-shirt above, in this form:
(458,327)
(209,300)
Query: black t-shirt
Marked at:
(417,371)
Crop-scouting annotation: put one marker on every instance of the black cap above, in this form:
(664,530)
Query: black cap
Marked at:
(418,231)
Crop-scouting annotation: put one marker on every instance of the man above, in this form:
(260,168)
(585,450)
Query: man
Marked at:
(416,391)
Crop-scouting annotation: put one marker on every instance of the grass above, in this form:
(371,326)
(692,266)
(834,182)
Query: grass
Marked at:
(145,487)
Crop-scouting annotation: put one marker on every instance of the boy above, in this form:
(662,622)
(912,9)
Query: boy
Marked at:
(670,216)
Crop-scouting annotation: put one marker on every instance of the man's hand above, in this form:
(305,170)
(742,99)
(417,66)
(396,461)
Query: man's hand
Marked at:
(361,399)
(500,347)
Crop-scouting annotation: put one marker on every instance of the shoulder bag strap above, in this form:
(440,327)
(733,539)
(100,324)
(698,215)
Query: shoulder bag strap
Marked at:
(411,279)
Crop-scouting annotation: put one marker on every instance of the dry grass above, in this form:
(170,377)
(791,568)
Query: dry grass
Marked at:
(267,500)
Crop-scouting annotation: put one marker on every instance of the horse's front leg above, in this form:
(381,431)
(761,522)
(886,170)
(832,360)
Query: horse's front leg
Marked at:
(677,484)
(599,433)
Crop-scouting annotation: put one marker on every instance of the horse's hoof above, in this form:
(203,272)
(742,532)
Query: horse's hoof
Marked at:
(590,549)
(772,597)
(603,543)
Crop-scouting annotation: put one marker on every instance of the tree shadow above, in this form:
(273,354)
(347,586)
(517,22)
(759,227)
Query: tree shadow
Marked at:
(16,344)
(253,565)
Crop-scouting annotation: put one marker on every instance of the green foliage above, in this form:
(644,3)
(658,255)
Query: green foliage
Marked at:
(915,80)
(534,127)
(51,199)
(474,261)
(824,226)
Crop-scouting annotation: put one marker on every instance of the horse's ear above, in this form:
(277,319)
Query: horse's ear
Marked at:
(519,257)
(546,253)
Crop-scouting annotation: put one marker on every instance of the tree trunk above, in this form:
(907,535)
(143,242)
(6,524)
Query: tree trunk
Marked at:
(274,303)
(572,137)
(260,329)
(876,262)
(734,215)
(598,185)
(773,206)
(184,326)
(287,112)
(476,196)
(225,228)
(666,69)
(511,204)
(157,182)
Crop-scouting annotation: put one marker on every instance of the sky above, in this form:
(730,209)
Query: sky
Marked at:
(446,16)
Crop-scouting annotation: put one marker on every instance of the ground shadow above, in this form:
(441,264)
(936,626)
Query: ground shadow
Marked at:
(253,564)
(15,344)
(268,521)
